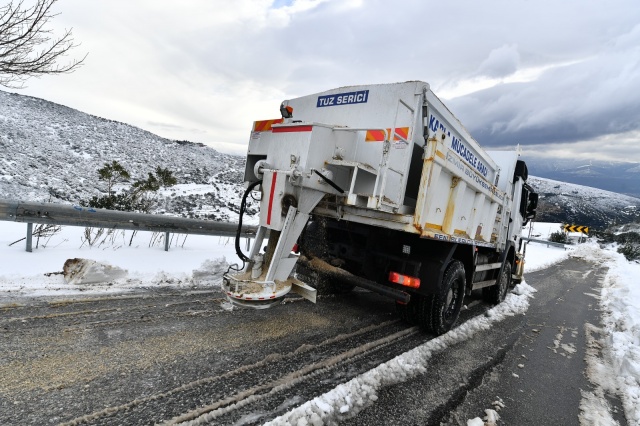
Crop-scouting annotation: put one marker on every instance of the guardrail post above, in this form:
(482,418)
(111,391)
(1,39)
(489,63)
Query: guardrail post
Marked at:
(29,235)
(166,241)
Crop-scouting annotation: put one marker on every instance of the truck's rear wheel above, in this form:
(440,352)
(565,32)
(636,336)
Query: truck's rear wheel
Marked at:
(498,292)
(439,312)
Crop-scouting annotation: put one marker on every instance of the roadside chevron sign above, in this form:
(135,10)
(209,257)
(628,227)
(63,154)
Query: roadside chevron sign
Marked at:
(576,228)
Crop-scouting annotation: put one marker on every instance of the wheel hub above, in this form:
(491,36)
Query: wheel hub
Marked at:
(449,297)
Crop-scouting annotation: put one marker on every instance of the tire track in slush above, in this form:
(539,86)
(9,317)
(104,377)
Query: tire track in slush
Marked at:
(268,379)
(308,380)
(255,381)
(64,303)
(79,317)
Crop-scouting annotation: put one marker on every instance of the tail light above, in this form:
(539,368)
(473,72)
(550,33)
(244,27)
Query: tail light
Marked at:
(404,280)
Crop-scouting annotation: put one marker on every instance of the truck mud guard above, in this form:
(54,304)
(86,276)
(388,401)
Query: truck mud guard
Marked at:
(434,267)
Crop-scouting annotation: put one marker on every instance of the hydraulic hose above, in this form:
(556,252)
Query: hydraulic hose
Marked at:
(243,206)
(329,181)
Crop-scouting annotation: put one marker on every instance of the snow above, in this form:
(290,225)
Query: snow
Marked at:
(195,262)
(620,301)
(492,417)
(613,359)
(595,411)
(539,256)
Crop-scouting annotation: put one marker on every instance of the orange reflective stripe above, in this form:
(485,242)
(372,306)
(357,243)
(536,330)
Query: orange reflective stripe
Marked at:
(378,135)
(292,129)
(374,136)
(403,132)
(265,125)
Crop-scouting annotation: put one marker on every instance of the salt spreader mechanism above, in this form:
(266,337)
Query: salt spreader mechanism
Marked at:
(381,187)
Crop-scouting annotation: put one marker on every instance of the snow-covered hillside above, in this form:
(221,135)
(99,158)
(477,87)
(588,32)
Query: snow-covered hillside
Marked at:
(583,205)
(49,152)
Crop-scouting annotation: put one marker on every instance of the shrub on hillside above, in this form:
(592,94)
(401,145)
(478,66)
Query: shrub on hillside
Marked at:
(141,196)
(558,237)
(630,250)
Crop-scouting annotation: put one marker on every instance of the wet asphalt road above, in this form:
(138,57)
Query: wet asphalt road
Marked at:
(542,377)
(530,368)
(168,357)
(176,356)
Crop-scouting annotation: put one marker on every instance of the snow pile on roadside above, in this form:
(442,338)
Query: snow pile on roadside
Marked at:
(86,271)
(592,252)
(620,302)
(539,256)
(594,407)
(348,399)
(192,261)
(613,351)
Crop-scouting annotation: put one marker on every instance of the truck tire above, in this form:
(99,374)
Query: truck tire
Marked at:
(498,292)
(439,312)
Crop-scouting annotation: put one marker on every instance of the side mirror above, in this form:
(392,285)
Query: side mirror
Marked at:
(532,205)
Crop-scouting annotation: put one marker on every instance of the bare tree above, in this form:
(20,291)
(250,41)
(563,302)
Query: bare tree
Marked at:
(27,48)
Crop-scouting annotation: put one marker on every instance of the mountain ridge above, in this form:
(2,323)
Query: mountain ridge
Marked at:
(616,176)
(583,205)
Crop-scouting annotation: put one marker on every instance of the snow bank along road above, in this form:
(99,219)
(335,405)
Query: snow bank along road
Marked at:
(181,357)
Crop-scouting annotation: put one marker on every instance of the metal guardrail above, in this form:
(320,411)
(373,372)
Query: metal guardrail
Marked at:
(66,215)
(548,243)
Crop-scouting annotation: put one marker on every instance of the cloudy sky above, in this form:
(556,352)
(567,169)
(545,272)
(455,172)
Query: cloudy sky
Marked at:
(560,78)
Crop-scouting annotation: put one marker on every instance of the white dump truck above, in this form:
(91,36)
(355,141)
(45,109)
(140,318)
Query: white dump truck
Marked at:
(381,187)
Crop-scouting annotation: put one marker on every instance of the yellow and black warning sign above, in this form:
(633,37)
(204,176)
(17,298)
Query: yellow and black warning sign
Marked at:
(576,228)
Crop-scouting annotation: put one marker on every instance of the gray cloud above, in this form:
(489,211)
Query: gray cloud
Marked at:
(209,68)
(582,101)
(502,62)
